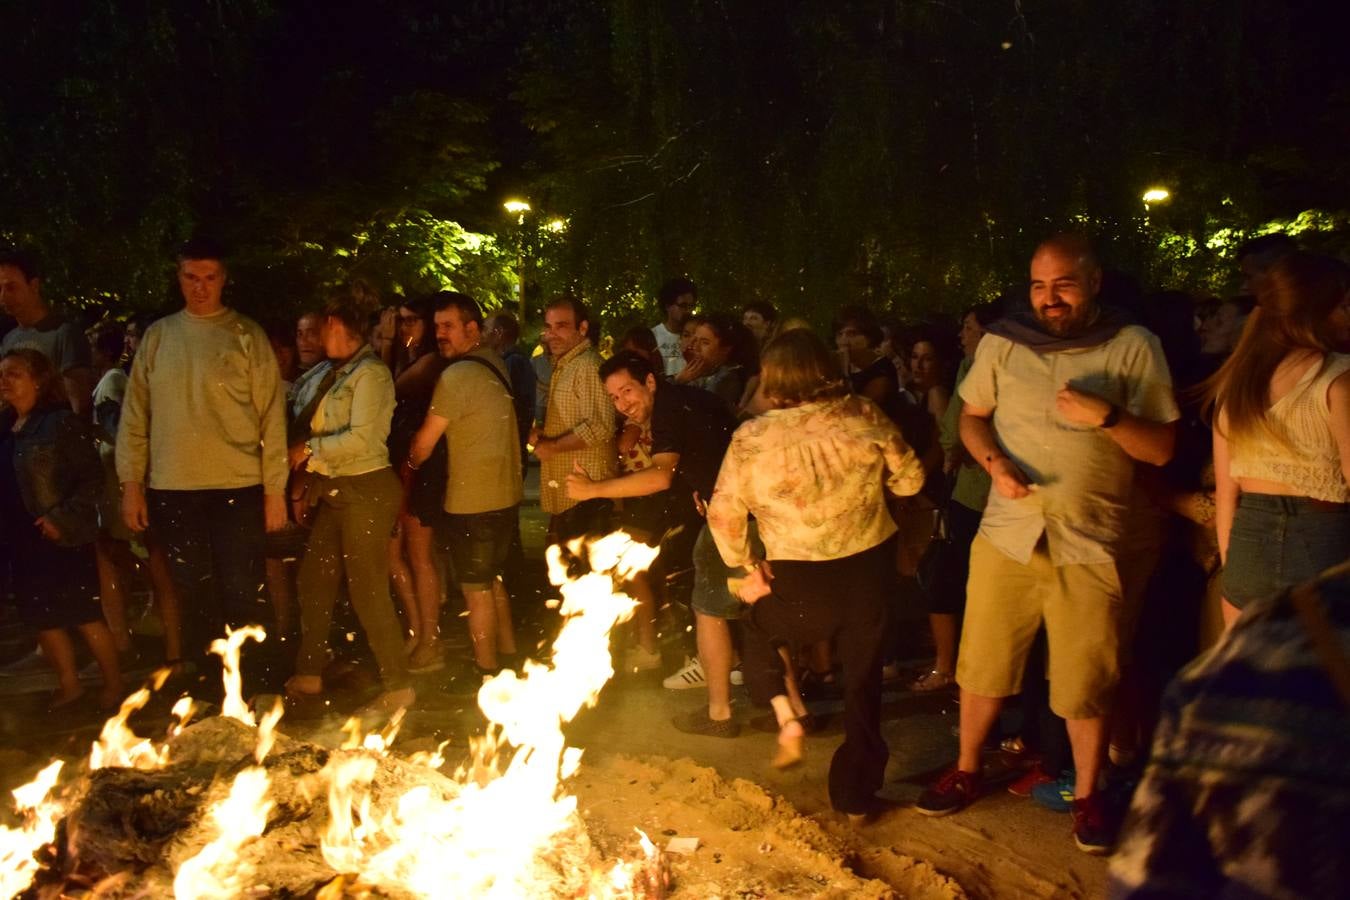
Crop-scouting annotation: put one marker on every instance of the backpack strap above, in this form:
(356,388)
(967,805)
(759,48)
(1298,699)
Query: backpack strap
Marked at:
(490,367)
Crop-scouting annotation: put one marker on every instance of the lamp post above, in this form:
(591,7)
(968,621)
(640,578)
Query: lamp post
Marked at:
(519,208)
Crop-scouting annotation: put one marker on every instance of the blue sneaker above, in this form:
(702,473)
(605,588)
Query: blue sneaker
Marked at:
(1057,795)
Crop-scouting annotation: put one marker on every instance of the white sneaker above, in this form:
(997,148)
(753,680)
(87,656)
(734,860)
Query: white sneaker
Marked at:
(691,676)
(737,676)
(639,660)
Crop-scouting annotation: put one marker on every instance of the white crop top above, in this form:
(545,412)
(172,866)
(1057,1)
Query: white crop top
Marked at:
(1308,460)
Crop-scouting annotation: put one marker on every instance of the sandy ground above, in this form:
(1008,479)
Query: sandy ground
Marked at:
(762,833)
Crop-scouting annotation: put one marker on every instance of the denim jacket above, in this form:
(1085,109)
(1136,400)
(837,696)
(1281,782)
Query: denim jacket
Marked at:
(351,424)
(59,472)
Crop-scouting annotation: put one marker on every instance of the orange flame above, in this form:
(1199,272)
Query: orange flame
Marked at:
(40,813)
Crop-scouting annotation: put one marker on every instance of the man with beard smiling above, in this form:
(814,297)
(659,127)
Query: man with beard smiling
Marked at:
(1060,402)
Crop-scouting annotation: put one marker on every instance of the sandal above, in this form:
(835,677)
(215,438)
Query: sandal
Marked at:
(790,747)
(934,680)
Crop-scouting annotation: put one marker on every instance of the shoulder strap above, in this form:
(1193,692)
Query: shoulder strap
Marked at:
(490,367)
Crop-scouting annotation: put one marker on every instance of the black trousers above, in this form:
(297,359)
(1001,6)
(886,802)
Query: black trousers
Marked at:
(215,541)
(842,600)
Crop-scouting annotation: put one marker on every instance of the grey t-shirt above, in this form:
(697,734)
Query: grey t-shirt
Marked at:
(480,435)
(55,338)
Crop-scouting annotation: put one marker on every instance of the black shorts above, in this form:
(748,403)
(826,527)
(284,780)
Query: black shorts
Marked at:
(645,518)
(479,544)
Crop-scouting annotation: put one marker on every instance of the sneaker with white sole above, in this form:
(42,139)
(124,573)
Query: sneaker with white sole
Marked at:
(737,676)
(639,660)
(690,676)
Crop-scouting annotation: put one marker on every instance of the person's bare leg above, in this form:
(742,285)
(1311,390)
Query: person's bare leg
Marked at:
(401,577)
(281,589)
(1230,613)
(791,683)
(482,621)
(501,605)
(420,541)
(99,639)
(791,735)
(714,653)
(60,655)
(166,601)
(112,591)
(944,639)
(978,715)
(644,617)
(1087,737)
(822,661)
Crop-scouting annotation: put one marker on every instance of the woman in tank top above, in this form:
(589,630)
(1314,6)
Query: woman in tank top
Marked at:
(1282,434)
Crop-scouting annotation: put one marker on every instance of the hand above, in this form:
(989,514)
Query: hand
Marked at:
(296,455)
(135,514)
(274,512)
(579,484)
(536,435)
(1081,407)
(48,529)
(1008,479)
(755,586)
(545,449)
(694,369)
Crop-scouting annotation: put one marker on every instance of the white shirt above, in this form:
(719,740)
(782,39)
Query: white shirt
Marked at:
(668,342)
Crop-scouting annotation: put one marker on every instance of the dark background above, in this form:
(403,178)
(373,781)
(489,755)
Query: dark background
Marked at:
(906,154)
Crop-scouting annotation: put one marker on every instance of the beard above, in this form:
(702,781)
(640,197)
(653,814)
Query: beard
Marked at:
(1070,323)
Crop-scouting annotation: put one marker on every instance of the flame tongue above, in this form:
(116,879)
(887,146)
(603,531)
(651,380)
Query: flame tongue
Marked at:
(40,813)
(227,648)
(217,872)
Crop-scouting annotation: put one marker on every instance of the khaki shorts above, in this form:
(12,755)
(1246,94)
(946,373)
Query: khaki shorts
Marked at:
(1006,602)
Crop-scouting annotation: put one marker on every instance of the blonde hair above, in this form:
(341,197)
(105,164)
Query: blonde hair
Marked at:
(1294,299)
(797,368)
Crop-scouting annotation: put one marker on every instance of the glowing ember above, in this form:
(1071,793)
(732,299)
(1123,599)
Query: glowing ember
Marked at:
(40,814)
(217,872)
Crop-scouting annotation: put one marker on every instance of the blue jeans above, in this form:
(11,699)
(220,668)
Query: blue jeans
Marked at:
(1278,542)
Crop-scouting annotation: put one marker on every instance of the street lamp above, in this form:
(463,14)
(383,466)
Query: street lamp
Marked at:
(519,208)
(1156,195)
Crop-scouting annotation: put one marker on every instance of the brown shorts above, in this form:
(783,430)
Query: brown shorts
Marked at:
(1006,602)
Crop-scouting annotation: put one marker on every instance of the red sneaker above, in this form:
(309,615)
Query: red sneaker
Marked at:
(1032,777)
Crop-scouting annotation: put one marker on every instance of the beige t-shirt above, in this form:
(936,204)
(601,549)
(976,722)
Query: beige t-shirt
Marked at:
(481,436)
(1081,476)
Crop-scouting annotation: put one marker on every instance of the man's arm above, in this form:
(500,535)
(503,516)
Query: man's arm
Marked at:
(643,483)
(977,433)
(424,442)
(1141,439)
(728,516)
(269,401)
(595,427)
(133,440)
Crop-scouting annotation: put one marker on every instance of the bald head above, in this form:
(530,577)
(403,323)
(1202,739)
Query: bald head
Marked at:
(1065,280)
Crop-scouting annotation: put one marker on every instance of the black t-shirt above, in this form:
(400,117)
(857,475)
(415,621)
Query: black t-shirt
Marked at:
(697,425)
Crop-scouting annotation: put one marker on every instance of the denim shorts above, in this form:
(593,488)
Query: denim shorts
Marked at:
(479,545)
(1278,542)
(711,596)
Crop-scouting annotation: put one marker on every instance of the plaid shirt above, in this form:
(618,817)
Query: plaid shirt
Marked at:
(577,403)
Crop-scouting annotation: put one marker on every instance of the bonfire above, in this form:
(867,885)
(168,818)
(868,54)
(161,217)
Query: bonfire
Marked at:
(229,807)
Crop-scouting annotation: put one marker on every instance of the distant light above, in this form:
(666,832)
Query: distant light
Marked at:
(516,206)
(557,226)
(1157,195)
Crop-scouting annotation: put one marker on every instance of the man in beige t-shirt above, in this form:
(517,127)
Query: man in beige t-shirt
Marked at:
(472,407)
(1059,404)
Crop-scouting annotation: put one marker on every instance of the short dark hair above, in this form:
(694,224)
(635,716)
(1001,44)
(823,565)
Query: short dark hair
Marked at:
(861,318)
(468,308)
(635,364)
(508,324)
(202,247)
(1267,246)
(674,289)
(579,310)
(767,311)
(22,260)
(108,339)
(985,313)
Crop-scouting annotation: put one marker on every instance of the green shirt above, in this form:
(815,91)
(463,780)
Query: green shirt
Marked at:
(972,482)
(204,408)
(481,436)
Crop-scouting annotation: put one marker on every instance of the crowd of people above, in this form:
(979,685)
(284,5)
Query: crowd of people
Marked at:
(1079,488)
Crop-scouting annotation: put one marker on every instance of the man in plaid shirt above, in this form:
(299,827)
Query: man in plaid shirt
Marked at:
(578,430)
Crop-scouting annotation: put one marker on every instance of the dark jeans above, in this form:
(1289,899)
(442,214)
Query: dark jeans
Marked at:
(947,593)
(215,542)
(1278,542)
(841,600)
